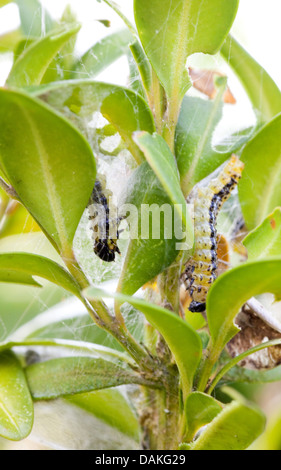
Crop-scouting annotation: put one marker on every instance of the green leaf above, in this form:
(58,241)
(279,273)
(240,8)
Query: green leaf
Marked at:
(102,54)
(200,409)
(21,267)
(262,90)
(30,68)
(232,363)
(42,299)
(152,246)
(235,428)
(123,108)
(196,156)
(259,188)
(69,320)
(242,375)
(9,41)
(117,109)
(265,241)
(181,338)
(35,20)
(66,57)
(46,159)
(90,350)
(232,289)
(172,30)
(142,64)
(16,408)
(111,406)
(71,375)
(163,163)
(4,2)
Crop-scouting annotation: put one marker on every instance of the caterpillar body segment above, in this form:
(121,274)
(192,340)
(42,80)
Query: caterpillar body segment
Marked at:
(103,227)
(201,269)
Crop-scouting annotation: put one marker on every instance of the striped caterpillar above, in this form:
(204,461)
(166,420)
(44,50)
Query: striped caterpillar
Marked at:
(105,244)
(201,269)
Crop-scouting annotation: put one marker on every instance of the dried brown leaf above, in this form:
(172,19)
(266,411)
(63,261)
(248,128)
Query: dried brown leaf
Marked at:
(204,81)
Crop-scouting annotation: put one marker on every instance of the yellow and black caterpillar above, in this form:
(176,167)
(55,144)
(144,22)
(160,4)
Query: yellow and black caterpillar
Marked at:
(201,269)
(105,244)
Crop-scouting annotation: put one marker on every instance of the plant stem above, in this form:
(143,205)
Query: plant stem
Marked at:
(9,190)
(156,101)
(169,285)
(168,419)
(171,123)
(205,373)
(102,317)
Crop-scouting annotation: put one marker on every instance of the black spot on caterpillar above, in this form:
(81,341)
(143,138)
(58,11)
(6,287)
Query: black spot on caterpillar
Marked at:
(201,270)
(105,233)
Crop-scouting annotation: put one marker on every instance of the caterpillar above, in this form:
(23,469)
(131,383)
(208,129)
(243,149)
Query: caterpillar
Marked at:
(105,246)
(201,270)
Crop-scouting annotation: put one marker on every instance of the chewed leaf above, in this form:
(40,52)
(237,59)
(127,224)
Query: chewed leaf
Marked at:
(172,30)
(254,332)
(195,154)
(204,81)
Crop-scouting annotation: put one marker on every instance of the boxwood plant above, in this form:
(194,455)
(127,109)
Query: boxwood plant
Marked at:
(124,325)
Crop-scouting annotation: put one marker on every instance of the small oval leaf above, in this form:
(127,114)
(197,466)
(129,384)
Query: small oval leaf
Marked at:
(45,159)
(163,163)
(235,428)
(153,245)
(71,375)
(35,20)
(21,267)
(111,406)
(259,188)
(196,155)
(16,407)
(265,241)
(200,409)
(32,64)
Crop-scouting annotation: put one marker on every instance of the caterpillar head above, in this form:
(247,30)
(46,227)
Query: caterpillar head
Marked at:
(235,167)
